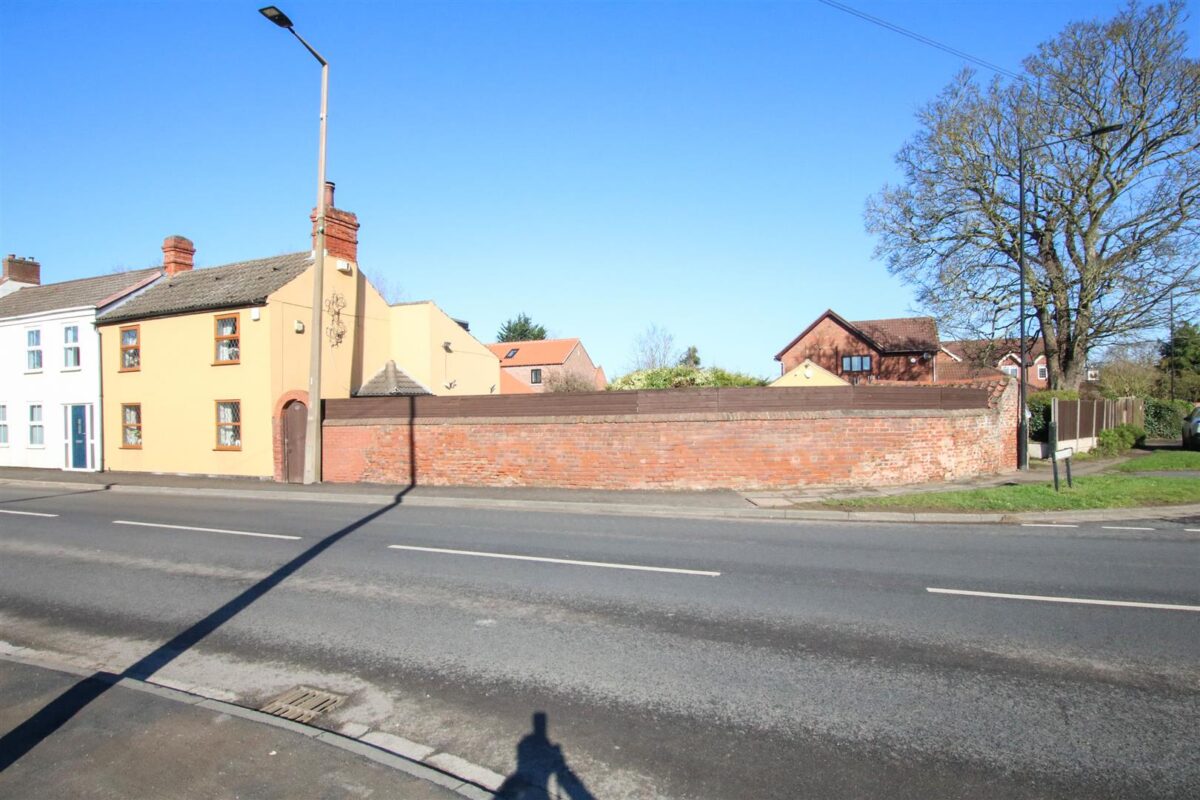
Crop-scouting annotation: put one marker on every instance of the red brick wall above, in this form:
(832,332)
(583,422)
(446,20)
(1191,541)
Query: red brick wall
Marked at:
(745,450)
(829,341)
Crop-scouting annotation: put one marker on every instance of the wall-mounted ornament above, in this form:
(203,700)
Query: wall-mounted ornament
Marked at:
(336,332)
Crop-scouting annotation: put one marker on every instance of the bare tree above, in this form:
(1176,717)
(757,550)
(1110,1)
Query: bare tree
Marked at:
(1131,369)
(1113,220)
(389,289)
(654,348)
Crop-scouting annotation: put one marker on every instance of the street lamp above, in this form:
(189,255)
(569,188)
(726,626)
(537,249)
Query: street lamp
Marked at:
(312,431)
(1023,423)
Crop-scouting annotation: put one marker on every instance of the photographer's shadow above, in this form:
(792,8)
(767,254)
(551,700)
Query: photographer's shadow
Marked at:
(542,771)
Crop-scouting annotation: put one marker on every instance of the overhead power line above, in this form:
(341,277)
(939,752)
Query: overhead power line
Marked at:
(945,48)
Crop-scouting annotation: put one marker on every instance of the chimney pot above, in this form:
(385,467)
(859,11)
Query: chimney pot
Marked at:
(341,229)
(22,270)
(178,252)
(329,187)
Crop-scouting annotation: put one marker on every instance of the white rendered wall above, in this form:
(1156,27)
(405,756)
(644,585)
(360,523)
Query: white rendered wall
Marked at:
(54,387)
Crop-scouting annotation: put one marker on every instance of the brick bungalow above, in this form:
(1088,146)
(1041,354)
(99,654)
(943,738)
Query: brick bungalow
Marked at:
(525,367)
(867,351)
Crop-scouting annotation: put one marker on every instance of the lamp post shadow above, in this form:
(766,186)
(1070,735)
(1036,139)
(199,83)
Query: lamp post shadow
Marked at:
(542,771)
(58,712)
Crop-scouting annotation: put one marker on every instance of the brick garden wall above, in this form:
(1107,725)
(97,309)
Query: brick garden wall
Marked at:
(791,440)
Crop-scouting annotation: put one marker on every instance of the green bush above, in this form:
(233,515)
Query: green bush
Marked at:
(682,377)
(1039,411)
(1164,418)
(1115,441)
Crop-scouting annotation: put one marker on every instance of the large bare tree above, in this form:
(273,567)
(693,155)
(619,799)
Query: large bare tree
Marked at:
(1113,220)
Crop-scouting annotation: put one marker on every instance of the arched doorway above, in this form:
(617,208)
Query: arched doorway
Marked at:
(295,424)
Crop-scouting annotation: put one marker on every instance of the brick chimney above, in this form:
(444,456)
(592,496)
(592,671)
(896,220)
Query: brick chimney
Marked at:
(177,254)
(22,270)
(341,229)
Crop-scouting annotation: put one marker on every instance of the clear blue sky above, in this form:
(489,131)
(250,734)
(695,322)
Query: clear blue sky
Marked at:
(600,166)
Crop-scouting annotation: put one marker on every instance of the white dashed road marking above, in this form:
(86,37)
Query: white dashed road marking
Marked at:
(204,530)
(604,564)
(1075,600)
(26,513)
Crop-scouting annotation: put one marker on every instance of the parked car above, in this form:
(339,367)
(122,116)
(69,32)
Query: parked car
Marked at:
(1191,430)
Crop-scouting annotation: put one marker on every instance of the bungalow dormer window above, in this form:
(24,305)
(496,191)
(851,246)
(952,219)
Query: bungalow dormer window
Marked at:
(228,343)
(1010,370)
(856,363)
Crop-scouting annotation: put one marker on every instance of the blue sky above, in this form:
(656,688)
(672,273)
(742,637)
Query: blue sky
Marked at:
(601,166)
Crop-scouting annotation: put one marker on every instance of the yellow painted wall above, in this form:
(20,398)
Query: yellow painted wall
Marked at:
(418,333)
(809,374)
(364,321)
(178,386)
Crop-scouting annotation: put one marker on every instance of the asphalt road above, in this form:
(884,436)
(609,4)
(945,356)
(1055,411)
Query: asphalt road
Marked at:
(740,659)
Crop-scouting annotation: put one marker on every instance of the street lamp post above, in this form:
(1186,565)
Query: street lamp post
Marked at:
(312,432)
(1023,422)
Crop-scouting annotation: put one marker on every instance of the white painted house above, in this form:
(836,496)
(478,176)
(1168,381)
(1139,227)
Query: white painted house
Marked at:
(50,365)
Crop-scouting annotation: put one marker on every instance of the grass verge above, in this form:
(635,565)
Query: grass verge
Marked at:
(1094,491)
(1163,461)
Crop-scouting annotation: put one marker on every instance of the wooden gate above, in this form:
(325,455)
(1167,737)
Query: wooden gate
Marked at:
(295,423)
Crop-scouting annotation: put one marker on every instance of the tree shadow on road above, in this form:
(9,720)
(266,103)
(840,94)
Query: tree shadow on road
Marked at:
(542,771)
(26,736)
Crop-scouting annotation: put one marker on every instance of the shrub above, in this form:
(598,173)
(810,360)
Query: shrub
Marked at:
(1115,441)
(1164,418)
(682,377)
(1039,410)
(569,381)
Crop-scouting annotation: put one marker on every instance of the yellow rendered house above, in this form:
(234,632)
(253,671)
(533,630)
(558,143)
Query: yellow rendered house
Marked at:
(206,371)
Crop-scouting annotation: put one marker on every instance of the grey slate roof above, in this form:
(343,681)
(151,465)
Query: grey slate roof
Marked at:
(390,382)
(245,283)
(71,294)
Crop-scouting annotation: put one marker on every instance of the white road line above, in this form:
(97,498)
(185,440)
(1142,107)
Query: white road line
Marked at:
(1123,528)
(605,564)
(27,513)
(203,530)
(1046,525)
(1192,530)
(1076,600)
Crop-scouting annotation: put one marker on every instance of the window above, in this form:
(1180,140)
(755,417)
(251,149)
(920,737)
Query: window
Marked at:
(1042,372)
(228,344)
(1010,369)
(229,425)
(3,426)
(37,432)
(535,376)
(71,347)
(512,352)
(33,350)
(856,363)
(131,349)
(131,426)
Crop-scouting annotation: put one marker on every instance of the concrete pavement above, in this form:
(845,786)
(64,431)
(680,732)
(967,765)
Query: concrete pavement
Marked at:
(138,739)
(725,504)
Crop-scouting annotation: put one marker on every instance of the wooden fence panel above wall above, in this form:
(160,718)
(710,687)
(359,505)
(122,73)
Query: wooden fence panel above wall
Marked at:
(665,401)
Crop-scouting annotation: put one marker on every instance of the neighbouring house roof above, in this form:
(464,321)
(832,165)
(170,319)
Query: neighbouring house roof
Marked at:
(901,335)
(809,373)
(536,353)
(992,351)
(93,292)
(950,368)
(244,283)
(601,379)
(391,381)
(512,385)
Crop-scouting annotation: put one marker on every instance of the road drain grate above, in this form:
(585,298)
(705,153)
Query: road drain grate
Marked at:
(303,704)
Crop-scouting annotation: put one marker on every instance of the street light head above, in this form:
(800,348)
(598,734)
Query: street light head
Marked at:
(275,15)
(1106,129)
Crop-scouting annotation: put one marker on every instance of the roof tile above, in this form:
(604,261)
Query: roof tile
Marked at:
(72,294)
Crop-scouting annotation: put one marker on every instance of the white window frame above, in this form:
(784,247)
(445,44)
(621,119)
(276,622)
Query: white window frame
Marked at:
(31,348)
(3,424)
(38,424)
(69,345)
(1042,372)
